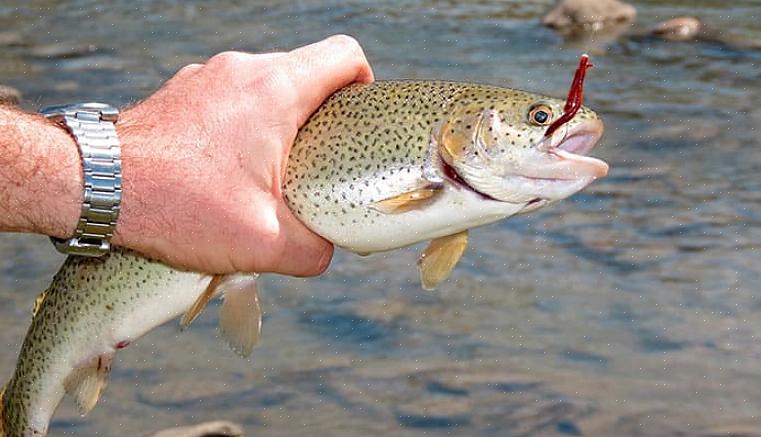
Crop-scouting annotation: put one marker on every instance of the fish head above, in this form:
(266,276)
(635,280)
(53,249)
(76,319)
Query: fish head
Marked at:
(501,150)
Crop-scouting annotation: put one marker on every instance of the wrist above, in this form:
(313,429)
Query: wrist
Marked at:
(41,176)
(125,129)
(136,214)
(93,126)
(61,194)
(66,201)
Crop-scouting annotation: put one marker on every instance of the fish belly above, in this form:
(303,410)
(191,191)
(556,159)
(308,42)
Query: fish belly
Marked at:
(125,297)
(365,230)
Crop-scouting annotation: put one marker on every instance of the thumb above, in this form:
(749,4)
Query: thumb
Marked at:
(321,68)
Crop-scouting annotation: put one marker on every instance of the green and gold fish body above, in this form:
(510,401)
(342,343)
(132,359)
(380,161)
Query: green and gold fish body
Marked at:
(93,307)
(373,143)
(376,167)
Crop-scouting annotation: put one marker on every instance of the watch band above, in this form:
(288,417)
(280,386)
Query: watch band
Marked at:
(92,126)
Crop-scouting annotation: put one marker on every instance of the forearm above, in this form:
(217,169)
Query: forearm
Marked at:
(40,175)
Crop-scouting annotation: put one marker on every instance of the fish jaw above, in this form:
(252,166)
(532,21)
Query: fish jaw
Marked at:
(554,169)
(559,169)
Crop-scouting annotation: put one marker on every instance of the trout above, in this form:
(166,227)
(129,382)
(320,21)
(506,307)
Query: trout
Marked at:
(377,167)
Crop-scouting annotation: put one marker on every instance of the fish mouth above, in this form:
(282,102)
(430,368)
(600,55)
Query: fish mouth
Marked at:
(564,155)
(568,170)
(560,168)
(554,169)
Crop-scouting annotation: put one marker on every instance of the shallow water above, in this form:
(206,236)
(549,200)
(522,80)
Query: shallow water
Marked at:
(631,309)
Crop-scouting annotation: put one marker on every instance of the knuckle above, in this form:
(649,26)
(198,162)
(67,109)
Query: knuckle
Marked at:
(351,50)
(275,81)
(274,73)
(189,69)
(226,59)
(346,42)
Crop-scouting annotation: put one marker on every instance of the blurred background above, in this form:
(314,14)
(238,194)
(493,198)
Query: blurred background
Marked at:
(631,309)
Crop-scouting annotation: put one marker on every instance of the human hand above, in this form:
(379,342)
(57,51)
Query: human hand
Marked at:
(204,158)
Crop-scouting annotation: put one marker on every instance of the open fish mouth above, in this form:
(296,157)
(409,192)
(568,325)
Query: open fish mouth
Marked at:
(553,170)
(560,168)
(582,139)
(562,157)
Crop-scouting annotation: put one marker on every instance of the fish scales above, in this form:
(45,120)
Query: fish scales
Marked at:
(376,167)
(370,133)
(90,307)
(367,143)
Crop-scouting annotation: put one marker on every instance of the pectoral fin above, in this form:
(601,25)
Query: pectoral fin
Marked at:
(87,382)
(439,258)
(410,200)
(201,302)
(240,319)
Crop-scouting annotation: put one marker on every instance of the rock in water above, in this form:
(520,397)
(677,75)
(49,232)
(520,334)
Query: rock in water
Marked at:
(678,29)
(207,429)
(691,29)
(588,14)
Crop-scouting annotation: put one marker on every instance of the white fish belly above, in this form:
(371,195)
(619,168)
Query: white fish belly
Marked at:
(454,211)
(166,296)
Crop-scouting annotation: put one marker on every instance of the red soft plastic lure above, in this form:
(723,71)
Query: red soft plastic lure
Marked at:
(575,96)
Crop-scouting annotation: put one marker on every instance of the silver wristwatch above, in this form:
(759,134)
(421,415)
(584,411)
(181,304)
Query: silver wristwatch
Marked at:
(92,126)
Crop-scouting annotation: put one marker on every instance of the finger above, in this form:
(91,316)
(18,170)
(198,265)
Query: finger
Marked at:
(304,252)
(188,70)
(321,68)
(268,56)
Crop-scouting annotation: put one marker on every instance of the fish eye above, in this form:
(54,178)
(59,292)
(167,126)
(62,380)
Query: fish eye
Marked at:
(540,115)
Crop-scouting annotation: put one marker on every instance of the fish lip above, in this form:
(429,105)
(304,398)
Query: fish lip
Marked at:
(582,138)
(570,149)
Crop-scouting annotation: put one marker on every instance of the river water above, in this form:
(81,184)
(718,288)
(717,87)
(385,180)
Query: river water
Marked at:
(631,309)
